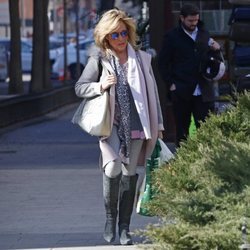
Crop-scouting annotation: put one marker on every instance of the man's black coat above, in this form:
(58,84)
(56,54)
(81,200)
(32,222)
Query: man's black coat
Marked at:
(180,62)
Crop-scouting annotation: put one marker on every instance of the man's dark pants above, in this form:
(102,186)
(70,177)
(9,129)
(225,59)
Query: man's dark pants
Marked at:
(183,109)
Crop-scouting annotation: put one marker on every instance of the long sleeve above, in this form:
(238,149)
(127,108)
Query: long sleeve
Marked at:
(88,84)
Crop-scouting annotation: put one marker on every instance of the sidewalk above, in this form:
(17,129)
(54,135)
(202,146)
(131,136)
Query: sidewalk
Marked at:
(51,188)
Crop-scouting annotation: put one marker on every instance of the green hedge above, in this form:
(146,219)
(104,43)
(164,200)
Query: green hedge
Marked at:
(203,195)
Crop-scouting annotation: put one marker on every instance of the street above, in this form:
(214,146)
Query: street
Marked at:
(51,186)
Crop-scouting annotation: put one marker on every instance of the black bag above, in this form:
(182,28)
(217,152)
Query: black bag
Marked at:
(240,32)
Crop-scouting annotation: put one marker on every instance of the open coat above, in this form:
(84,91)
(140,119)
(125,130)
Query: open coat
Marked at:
(145,97)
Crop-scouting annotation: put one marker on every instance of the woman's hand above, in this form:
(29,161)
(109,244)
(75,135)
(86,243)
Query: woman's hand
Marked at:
(108,82)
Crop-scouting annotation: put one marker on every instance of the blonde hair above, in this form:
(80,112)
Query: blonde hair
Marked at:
(109,22)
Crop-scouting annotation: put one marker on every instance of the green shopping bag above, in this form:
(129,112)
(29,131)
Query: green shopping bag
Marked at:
(192,127)
(160,156)
(146,192)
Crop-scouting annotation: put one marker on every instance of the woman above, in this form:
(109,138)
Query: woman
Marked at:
(136,117)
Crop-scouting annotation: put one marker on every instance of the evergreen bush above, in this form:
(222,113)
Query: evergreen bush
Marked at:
(203,195)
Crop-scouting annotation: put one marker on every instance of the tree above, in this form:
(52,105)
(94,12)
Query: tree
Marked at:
(65,38)
(77,39)
(15,66)
(203,194)
(40,75)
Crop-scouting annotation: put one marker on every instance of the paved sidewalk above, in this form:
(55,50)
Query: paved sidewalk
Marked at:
(51,188)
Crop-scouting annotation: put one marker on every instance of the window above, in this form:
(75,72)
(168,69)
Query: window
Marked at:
(215,14)
(26,48)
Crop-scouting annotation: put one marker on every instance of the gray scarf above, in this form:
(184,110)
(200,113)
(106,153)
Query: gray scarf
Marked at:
(123,100)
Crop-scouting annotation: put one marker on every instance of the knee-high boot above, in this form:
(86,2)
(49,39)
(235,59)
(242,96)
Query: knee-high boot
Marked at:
(126,203)
(110,194)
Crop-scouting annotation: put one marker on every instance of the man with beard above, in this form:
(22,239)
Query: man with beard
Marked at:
(180,61)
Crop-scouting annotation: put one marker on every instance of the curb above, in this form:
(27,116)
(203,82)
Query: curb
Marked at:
(118,247)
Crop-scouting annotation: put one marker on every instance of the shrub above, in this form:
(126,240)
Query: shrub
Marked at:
(203,195)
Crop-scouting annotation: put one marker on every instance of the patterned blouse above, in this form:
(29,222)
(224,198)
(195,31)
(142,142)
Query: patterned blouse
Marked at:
(136,127)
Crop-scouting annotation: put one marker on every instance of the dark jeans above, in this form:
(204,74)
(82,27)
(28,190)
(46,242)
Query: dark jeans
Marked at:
(183,109)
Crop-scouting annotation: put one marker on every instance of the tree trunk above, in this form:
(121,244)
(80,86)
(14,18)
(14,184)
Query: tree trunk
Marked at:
(161,20)
(15,66)
(77,40)
(47,69)
(40,76)
(65,58)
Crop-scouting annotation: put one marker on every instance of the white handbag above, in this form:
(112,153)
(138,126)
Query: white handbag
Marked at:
(93,115)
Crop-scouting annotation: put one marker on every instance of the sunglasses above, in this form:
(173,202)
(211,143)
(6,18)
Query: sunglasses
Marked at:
(115,35)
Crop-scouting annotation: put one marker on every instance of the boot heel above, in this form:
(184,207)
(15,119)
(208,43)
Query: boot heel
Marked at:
(125,237)
(109,230)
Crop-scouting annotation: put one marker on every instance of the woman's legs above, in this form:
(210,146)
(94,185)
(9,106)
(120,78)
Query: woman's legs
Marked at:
(130,169)
(127,192)
(110,193)
(113,168)
(113,184)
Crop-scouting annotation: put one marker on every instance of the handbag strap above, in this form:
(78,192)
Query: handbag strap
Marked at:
(99,69)
(115,68)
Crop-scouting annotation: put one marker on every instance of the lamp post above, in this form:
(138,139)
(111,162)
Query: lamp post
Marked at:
(22,18)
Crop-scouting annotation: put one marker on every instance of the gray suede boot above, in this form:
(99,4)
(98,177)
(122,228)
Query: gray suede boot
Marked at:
(110,194)
(126,204)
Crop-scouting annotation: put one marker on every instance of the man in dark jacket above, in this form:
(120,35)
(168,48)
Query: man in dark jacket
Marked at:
(180,62)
